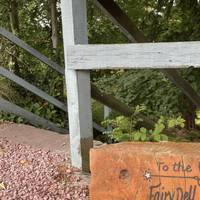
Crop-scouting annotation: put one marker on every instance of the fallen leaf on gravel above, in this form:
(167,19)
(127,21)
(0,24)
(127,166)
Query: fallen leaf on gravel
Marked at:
(2,186)
(62,174)
(2,151)
(24,162)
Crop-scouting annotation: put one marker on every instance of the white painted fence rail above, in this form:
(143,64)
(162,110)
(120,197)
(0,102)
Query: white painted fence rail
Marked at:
(80,58)
(137,56)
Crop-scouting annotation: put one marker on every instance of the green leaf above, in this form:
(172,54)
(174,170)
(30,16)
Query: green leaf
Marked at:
(161,120)
(143,130)
(171,124)
(150,132)
(156,138)
(158,128)
(123,123)
(164,137)
(144,137)
(137,136)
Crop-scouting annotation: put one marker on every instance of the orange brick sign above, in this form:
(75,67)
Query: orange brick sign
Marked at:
(146,171)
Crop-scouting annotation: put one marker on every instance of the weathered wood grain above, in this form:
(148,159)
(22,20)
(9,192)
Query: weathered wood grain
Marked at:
(74,19)
(134,56)
(33,119)
(146,171)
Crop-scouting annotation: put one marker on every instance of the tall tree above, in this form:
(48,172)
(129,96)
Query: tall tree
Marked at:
(14,23)
(54,27)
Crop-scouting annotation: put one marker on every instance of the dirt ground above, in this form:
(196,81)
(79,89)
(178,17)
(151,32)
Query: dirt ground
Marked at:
(18,138)
(35,137)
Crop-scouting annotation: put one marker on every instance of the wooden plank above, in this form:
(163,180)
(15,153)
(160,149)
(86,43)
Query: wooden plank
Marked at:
(184,86)
(98,128)
(31,50)
(134,56)
(107,112)
(40,93)
(145,171)
(33,119)
(130,30)
(119,18)
(120,107)
(74,19)
(103,98)
(42,58)
(32,89)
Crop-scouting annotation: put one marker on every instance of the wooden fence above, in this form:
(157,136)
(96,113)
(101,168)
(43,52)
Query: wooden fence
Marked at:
(32,118)
(80,58)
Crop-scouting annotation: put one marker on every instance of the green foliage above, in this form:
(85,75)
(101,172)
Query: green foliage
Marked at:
(125,129)
(176,122)
(148,87)
(7,90)
(101,30)
(35,29)
(159,20)
(198,117)
(4,117)
(194,136)
(47,111)
(97,112)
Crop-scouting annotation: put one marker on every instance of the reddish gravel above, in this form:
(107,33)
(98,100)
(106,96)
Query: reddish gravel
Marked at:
(36,174)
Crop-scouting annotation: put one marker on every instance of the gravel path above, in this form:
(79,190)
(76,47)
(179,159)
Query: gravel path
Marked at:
(29,173)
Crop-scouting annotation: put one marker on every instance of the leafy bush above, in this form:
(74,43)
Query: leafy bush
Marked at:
(125,129)
(5,117)
(198,117)
(7,91)
(47,111)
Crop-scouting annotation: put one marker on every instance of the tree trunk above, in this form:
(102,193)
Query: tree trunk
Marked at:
(189,114)
(55,41)
(14,23)
(54,28)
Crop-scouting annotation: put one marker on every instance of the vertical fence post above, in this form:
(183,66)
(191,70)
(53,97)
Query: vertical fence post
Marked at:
(107,112)
(74,20)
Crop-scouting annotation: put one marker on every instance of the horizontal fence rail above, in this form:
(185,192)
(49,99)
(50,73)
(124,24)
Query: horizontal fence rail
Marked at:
(96,94)
(11,37)
(118,17)
(32,88)
(184,86)
(33,119)
(134,56)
